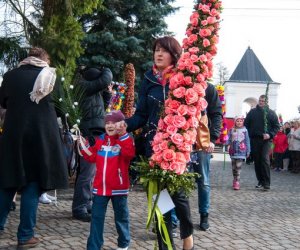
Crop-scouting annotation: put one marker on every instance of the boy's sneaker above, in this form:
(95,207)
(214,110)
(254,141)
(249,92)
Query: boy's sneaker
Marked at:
(44,199)
(236,185)
(120,248)
(51,198)
(259,185)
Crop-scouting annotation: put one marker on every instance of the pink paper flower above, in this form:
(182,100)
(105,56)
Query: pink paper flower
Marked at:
(177,139)
(168,119)
(179,121)
(179,92)
(188,81)
(158,136)
(168,155)
(161,125)
(192,110)
(211,20)
(205,8)
(194,50)
(173,104)
(171,129)
(205,32)
(199,89)
(206,42)
(157,157)
(192,38)
(182,110)
(165,165)
(163,145)
(191,96)
(176,130)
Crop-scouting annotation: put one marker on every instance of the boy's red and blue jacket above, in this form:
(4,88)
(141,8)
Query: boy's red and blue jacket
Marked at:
(112,155)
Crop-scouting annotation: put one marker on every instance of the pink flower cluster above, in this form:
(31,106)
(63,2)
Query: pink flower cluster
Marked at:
(176,132)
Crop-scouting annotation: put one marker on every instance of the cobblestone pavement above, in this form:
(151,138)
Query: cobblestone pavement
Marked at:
(245,219)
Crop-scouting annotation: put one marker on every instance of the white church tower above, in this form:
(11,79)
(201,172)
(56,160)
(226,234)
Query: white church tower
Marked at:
(248,81)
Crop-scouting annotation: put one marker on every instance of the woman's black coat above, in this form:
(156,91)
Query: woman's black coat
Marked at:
(30,146)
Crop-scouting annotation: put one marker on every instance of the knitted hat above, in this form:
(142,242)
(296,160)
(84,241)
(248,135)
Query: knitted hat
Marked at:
(91,74)
(114,116)
(239,117)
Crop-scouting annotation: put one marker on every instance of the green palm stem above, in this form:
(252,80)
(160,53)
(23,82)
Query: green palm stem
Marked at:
(266,109)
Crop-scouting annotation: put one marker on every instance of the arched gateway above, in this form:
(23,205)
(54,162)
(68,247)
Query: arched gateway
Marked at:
(246,84)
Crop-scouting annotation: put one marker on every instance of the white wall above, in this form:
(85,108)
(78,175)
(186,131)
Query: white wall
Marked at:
(236,93)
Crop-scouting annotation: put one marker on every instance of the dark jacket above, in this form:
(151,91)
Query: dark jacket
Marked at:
(214,112)
(94,103)
(254,122)
(30,146)
(151,101)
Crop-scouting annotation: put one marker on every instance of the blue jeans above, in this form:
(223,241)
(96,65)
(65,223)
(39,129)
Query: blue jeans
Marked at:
(174,218)
(82,199)
(202,167)
(95,240)
(29,204)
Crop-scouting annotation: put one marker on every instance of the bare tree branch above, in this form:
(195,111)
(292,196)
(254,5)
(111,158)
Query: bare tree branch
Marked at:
(29,27)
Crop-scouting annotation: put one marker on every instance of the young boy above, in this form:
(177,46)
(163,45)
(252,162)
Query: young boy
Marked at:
(112,153)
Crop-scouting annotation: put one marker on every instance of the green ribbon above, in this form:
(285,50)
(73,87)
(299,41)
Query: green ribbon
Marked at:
(154,188)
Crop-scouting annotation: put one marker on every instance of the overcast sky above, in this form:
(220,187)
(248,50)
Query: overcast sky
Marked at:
(270,28)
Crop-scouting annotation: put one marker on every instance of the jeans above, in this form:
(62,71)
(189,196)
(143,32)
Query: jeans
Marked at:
(120,206)
(28,210)
(82,199)
(174,218)
(202,167)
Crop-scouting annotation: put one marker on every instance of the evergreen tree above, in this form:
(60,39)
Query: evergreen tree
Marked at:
(123,32)
(50,24)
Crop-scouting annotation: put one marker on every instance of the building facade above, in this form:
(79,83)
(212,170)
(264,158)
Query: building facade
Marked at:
(248,81)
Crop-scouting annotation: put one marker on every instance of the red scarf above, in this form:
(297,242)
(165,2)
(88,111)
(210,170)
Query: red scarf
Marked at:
(163,76)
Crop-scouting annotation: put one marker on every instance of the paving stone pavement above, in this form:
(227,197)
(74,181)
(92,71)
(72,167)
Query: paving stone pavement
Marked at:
(244,219)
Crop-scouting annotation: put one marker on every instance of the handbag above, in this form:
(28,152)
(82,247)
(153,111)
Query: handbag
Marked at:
(203,135)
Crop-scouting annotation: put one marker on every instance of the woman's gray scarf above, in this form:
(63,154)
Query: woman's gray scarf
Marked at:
(45,80)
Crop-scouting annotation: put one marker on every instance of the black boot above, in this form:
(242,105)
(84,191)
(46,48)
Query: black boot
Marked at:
(204,222)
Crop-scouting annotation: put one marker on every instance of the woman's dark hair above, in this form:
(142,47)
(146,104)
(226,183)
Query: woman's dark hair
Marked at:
(39,53)
(171,45)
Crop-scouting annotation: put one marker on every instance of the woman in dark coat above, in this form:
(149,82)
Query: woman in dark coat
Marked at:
(153,92)
(31,153)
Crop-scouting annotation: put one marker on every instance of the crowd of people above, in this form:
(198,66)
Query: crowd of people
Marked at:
(30,127)
(286,151)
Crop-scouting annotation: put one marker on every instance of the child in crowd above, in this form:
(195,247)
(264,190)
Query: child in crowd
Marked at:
(112,154)
(280,142)
(294,147)
(239,148)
